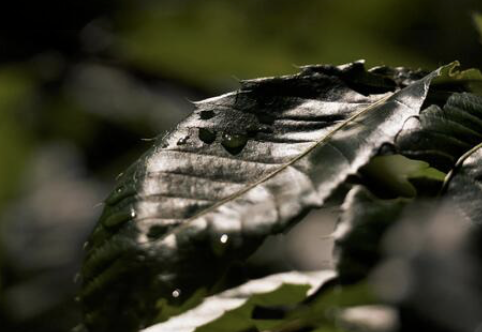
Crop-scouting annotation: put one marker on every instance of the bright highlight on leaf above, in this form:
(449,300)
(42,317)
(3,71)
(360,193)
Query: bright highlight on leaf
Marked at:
(232,310)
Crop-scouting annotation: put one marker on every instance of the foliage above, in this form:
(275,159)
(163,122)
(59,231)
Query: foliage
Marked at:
(252,163)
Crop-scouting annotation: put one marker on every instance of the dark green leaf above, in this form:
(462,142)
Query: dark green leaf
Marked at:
(195,202)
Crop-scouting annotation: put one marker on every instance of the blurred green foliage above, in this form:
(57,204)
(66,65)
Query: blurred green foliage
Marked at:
(15,142)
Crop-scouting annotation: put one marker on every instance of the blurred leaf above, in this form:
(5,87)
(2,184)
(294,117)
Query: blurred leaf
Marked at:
(391,175)
(259,158)
(232,310)
(478,23)
(431,269)
(16,86)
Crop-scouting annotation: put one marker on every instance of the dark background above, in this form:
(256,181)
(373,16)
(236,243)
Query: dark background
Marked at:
(76,104)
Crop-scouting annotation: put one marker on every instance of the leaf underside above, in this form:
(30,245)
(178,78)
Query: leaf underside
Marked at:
(243,166)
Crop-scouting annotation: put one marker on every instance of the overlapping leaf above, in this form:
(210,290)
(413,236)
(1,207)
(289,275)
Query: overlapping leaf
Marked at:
(463,187)
(440,136)
(364,220)
(245,165)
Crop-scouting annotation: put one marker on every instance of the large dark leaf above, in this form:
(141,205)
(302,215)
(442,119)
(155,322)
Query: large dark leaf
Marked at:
(245,165)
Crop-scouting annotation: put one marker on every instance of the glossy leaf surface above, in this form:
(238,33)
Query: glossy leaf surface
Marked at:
(243,166)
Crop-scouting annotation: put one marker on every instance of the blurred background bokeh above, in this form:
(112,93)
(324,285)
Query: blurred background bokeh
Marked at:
(78,106)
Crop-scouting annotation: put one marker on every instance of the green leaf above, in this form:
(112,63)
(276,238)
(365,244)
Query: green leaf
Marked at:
(440,136)
(325,309)
(243,166)
(394,175)
(451,75)
(232,310)
(364,220)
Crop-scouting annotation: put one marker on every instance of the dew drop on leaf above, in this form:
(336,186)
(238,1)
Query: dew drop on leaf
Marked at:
(206,135)
(176,293)
(224,238)
(156,231)
(234,143)
(183,140)
(206,115)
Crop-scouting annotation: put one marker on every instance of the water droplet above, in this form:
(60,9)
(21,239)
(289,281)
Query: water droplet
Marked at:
(234,143)
(207,136)
(133,213)
(176,293)
(206,115)
(265,129)
(183,140)
(119,190)
(156,231)
(224,238)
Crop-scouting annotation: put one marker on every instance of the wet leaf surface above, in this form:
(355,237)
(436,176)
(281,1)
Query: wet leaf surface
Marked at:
(188,208)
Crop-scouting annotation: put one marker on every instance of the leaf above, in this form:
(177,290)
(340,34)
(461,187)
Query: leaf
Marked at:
(325,309)
(451,76)
(463,187)
(243,166)
(363,222)
(441,136)
(395,175)
(232,310)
